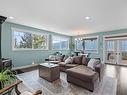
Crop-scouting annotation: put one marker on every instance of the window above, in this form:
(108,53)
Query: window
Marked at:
(79,44)
(64,43)
(123,45)
(29,40)
(110,45)
(88,45)
(60,43)
(22,40)
(39,41)
(55,43)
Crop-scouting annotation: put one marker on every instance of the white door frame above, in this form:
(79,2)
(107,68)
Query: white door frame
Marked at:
(111,35)
(114,51)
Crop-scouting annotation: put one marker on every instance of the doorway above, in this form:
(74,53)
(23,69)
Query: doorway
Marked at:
(116,50)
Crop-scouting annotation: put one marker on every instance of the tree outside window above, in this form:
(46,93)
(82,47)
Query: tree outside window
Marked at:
(25,40)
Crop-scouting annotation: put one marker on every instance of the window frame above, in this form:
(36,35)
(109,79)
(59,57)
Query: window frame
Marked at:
(89,50)
(27,31)
(76,49)
(113,49)
(124,45)
(60,37)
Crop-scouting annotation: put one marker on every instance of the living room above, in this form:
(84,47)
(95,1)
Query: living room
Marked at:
(63,47)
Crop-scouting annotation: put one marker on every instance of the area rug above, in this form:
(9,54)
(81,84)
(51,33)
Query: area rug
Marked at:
(33,82)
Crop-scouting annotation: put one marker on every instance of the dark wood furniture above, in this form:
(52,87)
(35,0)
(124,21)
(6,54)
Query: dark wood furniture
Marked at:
(8,89)
(49,71)
(2,20)
(24,69)
(7,63)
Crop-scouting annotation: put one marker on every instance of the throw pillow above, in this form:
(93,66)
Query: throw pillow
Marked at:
(85,60)
(52,58)
(69,60)
(65,57)
(77,60)
(92,63)
(60,58)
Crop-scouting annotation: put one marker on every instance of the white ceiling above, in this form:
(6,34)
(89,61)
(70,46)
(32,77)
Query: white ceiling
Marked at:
(67,16)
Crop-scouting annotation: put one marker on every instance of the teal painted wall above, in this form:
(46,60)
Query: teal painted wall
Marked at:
(25,57)
(100,40)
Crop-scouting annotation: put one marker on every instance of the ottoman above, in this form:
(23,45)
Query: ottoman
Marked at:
(83,76)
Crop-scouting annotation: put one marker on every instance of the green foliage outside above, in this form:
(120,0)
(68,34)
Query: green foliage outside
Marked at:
(38,41)
(28,40)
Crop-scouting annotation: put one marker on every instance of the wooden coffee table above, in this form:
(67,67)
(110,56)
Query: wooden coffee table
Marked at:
(49,71)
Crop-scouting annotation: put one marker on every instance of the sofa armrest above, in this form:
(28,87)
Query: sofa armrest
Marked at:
(99,68)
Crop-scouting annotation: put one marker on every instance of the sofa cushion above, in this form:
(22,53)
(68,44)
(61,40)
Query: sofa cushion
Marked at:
(92,63)
(62,64)
(60,58)
(85,60)
(65,57)
(52,58)
(69,60)
(83,73)
(77,60)
(71,65)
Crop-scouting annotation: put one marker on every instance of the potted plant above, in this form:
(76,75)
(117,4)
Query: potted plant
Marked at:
(6,77)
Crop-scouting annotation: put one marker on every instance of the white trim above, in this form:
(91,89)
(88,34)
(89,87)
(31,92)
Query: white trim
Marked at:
(60,39)
(76,46)
(104,50)
(28,31)
(88,37)
(110,35)
(29,49)
(97,36)
(119,38)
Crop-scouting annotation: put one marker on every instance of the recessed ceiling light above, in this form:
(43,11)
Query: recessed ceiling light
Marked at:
(11,17)
(87,17)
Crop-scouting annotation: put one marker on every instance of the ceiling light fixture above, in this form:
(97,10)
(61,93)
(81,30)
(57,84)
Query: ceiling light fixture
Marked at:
(11,17)
(87,18)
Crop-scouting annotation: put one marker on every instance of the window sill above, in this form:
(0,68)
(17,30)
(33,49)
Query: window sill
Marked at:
(30,49)
(60,49)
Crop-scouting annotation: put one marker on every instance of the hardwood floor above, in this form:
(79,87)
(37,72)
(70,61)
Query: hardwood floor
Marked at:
(120,73)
